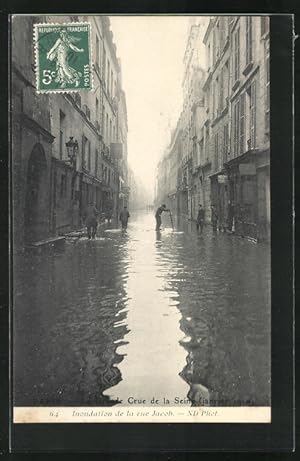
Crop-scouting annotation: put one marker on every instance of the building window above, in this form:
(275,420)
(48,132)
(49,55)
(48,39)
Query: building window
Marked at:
(221,92)
(89,155)
(264,25)
(214,45)
(108,76)
(242,124)
(61,144)
(208,58)
(253,115)
(249,56)
(97,110)
(83,150)
(62,123)
(236,121)
(213,100)
(217,97)
(221,32)
(106,128)
(104,66)
(236,55)
(97,52)
(63,185)
(267,73)
(207,143)
(217,40)
(225,142)
(225,28)
(208,100)
(200,159)
(103,120)
(96,162)
(216,150)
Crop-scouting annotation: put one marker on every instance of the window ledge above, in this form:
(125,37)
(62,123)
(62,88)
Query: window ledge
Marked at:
(248,68)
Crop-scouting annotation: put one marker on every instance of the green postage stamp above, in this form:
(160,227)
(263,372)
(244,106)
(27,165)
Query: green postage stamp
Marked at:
(63,57)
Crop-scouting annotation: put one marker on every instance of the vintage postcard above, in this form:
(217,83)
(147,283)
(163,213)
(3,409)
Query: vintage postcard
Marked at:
(141,219)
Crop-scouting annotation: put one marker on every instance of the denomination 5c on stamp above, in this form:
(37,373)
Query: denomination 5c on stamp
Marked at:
(63,57)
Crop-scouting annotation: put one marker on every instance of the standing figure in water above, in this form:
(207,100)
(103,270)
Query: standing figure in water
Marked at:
(158,215)
(91,220)
(214,218)
(124,216)
(200,219)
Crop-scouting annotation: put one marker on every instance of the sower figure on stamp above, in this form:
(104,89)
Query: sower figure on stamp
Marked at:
(124,216)
(158,215)
(91,220)
(59,52)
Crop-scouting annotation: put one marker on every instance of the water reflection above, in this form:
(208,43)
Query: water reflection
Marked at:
(143,314)
(150,370)
(69,310)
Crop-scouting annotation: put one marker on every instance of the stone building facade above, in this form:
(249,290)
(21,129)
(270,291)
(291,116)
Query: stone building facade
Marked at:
(248,166)
(56,189)
(192,115)
(216,89)
(31,142)
(225,157)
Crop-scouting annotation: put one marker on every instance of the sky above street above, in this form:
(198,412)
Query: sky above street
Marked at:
(151,51)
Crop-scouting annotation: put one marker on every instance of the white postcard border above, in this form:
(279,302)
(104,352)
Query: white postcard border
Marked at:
(139,414)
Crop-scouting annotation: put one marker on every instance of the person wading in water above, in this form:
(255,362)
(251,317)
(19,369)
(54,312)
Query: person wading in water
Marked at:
(158,215)
(91,220)
(124,215)
(200,219)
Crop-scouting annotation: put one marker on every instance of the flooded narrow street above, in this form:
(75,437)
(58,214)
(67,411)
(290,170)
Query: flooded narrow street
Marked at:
(143,315)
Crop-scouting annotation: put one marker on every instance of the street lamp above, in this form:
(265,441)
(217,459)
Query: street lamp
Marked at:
(72,150)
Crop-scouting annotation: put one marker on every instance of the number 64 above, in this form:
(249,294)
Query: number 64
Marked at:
(48,76)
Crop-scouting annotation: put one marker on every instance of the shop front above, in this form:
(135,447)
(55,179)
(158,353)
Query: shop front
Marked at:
(249,194)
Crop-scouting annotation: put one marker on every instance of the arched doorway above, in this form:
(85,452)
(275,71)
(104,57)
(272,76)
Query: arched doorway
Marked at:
(36,192)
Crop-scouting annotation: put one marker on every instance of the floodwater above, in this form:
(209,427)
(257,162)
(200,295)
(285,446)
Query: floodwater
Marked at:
(134,316)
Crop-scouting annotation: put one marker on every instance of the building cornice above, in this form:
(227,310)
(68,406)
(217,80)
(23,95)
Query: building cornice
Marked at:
(241,158)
